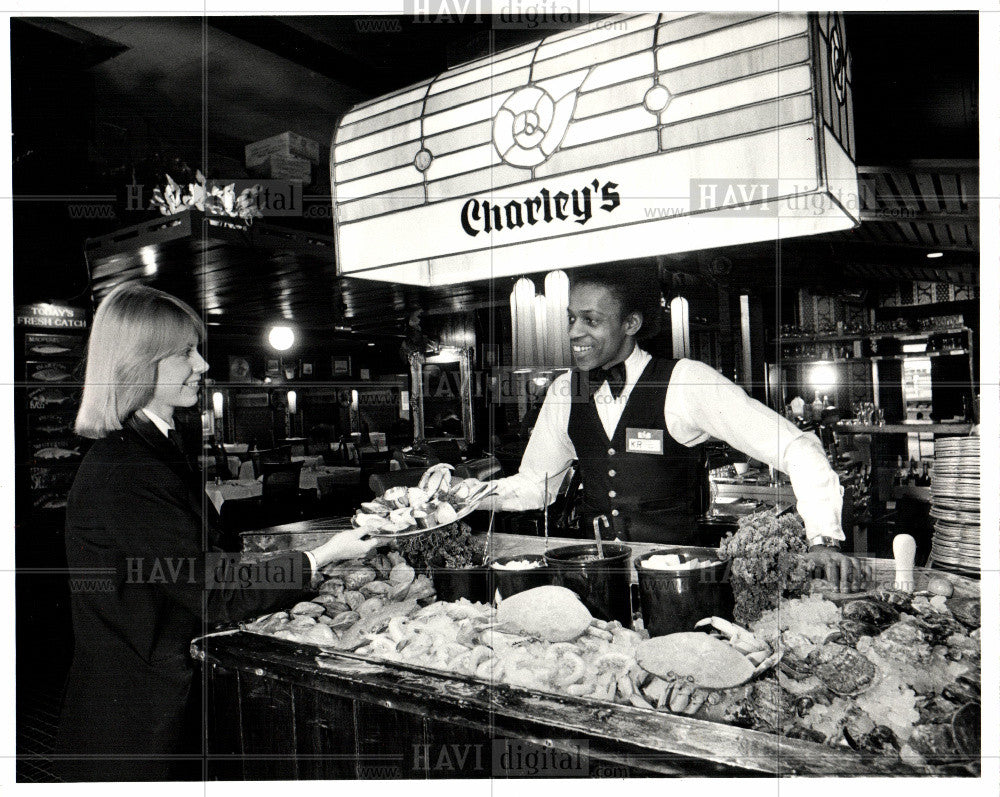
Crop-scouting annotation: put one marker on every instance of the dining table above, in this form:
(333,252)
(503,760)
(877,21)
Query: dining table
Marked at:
(320,478)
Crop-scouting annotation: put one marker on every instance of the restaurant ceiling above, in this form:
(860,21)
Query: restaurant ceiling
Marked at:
(246,278)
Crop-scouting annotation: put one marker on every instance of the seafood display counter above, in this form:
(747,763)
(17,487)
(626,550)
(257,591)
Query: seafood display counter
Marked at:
(281,708)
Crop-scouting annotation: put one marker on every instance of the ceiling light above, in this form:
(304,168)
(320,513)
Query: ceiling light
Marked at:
(935,254)
(281,338)
(823,376)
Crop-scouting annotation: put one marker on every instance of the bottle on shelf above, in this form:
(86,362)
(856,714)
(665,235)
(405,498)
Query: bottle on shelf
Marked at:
(924,479)
(818,406)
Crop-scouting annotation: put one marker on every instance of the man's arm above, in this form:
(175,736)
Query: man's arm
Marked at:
(701,403)
(549,451)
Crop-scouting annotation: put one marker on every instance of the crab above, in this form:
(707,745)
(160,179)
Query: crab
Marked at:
(436,479)
(683,694)
(756,650)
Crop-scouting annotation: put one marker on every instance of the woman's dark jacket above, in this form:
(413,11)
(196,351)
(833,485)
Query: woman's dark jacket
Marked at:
(136,534)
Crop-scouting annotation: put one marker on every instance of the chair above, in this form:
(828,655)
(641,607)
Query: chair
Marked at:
(273,455)
(282,453)
(397,456)
(409,477)
(222,464)
(482,468)
(281,481)
(446,451)
(372,462)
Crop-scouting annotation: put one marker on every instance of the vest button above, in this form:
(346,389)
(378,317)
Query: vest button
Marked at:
(612,494)
(614,513)
(611,452)
(611,473)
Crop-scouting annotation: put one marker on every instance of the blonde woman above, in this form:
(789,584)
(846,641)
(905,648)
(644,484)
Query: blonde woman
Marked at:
(135,514)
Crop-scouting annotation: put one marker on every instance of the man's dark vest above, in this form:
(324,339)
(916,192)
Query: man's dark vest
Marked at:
(647,497)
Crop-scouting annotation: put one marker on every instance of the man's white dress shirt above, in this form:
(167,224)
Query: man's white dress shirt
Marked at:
(700,404)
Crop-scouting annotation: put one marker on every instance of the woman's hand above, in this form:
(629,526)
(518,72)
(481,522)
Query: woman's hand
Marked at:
(350,544)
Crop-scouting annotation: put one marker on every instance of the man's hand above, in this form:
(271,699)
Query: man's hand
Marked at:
(851,574)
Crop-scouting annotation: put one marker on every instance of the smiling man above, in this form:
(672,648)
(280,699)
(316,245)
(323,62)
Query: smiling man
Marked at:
(633,421)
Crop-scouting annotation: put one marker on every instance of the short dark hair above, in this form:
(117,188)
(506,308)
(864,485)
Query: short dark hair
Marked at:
(636,293)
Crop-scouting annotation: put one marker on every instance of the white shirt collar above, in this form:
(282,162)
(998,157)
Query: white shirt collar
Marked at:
(635,363)
(158,422)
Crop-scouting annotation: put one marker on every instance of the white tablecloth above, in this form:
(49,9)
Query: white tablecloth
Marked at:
(309,479)
(218,494)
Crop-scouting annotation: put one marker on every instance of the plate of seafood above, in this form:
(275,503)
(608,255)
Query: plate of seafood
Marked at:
(435,502)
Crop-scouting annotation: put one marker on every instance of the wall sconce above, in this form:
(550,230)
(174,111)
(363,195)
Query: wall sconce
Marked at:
(217,405)
(680,327)
(292,402)
(538,321)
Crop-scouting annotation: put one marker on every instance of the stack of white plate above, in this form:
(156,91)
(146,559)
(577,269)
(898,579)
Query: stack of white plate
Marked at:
(955,504)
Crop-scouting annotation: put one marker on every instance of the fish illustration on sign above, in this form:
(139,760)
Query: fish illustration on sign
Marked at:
(56,452)
(48,348)
(45,396)
(53,428)
(50,501)
(51,374)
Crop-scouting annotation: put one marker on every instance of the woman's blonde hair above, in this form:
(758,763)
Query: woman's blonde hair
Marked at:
(135,327)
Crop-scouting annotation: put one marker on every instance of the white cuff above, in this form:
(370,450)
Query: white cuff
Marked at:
(314,570)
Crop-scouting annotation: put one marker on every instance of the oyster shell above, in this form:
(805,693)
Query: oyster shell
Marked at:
(872,612)
(842,669)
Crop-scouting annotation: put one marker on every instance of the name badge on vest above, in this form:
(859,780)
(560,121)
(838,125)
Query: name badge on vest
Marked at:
(643,441)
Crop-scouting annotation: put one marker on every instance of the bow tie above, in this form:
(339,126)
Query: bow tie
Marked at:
(614,376)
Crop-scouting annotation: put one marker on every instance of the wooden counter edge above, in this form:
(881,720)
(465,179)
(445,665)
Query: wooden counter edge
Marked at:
(628,730)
